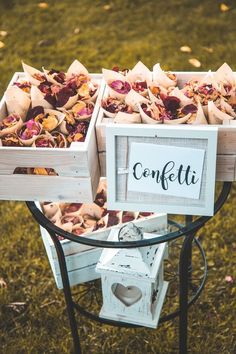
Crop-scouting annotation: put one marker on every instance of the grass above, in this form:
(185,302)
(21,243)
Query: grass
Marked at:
(121,33)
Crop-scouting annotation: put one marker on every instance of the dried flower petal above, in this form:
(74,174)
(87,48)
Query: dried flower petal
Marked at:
(208,49)
(43,5)
(3,33)
(195,62)
(185,49)
(224,7)
(229,279)
(2,44)
(107,7)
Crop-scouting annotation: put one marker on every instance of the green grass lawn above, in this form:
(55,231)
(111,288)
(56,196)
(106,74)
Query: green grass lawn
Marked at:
(119,34)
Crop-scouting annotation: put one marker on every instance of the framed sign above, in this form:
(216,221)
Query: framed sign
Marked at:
(161,168)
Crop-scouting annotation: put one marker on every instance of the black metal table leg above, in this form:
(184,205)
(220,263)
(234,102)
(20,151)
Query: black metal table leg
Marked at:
(67,292)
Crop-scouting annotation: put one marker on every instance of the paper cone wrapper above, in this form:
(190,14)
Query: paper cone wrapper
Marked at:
(50,78)
(46,136)
(76,68)
(50,209)
(62,127)
(209,78)
(176,92)
(66,227)
(94,97)
(29,72)
(109,114)
(12,129)
(70,103)
(111,75)
(216,116)
(178,121)
(37,98)
(225,74)
(146,119)
(114,94)
(91,209)
(17,101)
(29,142)
(126,118)
(160,77)
(200,116)
(133,99)
(73,215)
(153,98)
(60,115)
(64,142)
(140,73)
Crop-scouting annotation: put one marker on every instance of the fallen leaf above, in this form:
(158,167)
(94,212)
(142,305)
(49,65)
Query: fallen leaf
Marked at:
(76,30)
(195,62)
(224,7)
(2,44)
(3,284)
(229,279)
(3,33)
(185,49)
(43,5)
(208,49)
(107,7)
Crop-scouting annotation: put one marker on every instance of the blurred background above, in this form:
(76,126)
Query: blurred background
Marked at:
(180,34)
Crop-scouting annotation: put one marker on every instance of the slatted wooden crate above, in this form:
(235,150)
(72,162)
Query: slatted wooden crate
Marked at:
(77,166)
(81,259)
(226,149)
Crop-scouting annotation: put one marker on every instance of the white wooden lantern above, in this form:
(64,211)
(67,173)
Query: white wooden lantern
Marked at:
(132,282)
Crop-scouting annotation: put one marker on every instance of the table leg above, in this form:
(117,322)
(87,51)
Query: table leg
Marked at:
(67,293)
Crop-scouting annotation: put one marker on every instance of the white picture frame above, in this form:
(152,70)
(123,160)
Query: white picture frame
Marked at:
(118,142)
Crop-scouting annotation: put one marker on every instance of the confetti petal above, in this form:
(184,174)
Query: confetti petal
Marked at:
(76,30)
(185,49)
(3,33)
(195,62)
(229,279)
(43,5)
(224,7)
(208,49)
(3,284)
(2,44)
(107,7)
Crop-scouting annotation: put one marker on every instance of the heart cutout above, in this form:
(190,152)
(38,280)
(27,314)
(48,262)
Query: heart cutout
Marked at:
(128,295)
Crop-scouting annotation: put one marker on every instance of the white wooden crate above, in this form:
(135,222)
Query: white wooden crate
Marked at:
(77,166)
(226,148)
(81,259)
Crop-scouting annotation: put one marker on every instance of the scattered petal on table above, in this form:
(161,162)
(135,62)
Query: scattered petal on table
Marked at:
(229,279)
(185,49)
(3,284)
(208,49)
(195,62)
(43,5)
(2,44)
(107,7)
(224,7)
(76,30)
(3,33)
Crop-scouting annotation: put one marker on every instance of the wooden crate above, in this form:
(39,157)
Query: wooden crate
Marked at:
(226,148)
(77,166)
(81,259)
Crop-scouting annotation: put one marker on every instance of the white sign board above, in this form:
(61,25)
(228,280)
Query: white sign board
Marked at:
(166,170)
(160,168)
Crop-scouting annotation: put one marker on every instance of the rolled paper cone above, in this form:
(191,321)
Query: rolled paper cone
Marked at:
(111,75)
(37,98)
(29,72)
(90,222)
(140,72)
(51,209)
(176,92)
(88,230)
(153,98)
(91,209)
(146,119)
(179,120)
(109,114)
(92,98)
(46,136)
(209,79)
(64,143)
(79,218)
(126,118)
(17,101)
(29,142)
(50,78)
(76,68)
(225,74)
(103,221)
(160,77)
(215,115)
(200,116)
(70,103)
(102,186)
(12,129)
(114,94)
(133,98)
(66,227)
(60,115)
(62,127)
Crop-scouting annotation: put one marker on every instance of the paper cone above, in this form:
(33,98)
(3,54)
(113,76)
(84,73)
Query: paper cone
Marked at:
(111,75)
(160,77)
(178,121)
(91,209)
(30,141)
(37,98)
(50,78)
(199,118)
(17,101)
(44,136)
(152,97)
(216,116)
(209,79)
(59,115)
(225,74)
(70,103)
(126,118)
(29,72)
(139,73)
(184,100)
(76,68)
(59,139)
(146,119)
(51,209)
(11,130)
(66,227)
(133,99)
